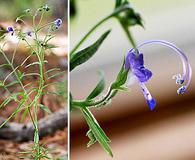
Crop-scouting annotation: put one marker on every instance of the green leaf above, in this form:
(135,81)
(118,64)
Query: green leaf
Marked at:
(4,65)
(5,102)
(52,70)
(3,31)
(31,64)
(118,3)
(97,131)
(73,9)
(11,84)
(2,84)
(57,74)
(70,102)
(98,89)
(128,17)
(20,74)
(121,77)
(123,88)
(91,137)
(45,108)
(45,45)
(50,46)
(85,54)
(17,110)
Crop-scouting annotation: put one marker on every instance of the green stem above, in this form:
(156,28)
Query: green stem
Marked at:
(15,73)
(92,103)
(129,36)
(31,117)
(88,33)
(113,14)
(131,40)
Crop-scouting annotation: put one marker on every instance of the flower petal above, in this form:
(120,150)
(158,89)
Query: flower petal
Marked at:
(134,61)
(131,78)
(142,74)
(151,103)
(150,100)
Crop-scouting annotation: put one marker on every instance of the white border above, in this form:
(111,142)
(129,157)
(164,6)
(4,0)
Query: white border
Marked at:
(68,79)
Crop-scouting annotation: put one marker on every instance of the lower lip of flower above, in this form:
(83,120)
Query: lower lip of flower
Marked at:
(150,100)
(151,103)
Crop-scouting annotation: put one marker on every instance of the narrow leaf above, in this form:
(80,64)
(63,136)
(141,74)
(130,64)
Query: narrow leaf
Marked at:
(70,102)
(121,77)
(12,83)
(85,54)
(45,108)
(31,64)
(4,65)
(2,31)
(5,102)
(97,131)
(98,89)
(17,110)
(91,137)
(51,70)
(57,74)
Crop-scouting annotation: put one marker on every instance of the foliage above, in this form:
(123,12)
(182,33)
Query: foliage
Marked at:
(127,17)
(28,96)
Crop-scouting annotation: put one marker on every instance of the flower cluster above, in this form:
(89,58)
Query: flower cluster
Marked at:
(57,23)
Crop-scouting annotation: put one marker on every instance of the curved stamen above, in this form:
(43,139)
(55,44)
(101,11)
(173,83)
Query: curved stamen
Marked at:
(150,100)
(187,71)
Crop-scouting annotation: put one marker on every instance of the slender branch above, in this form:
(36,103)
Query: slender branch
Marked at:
(88,33)
(113,14)
(128,33)
(92,103)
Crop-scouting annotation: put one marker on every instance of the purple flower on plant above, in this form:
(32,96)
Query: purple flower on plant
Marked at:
(10,30)
(135,62)
(29,33)
(58,23)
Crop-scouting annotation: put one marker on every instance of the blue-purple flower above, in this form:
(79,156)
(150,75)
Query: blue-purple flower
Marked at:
(29,33)
(135,62)
(58,23)
(10,30)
